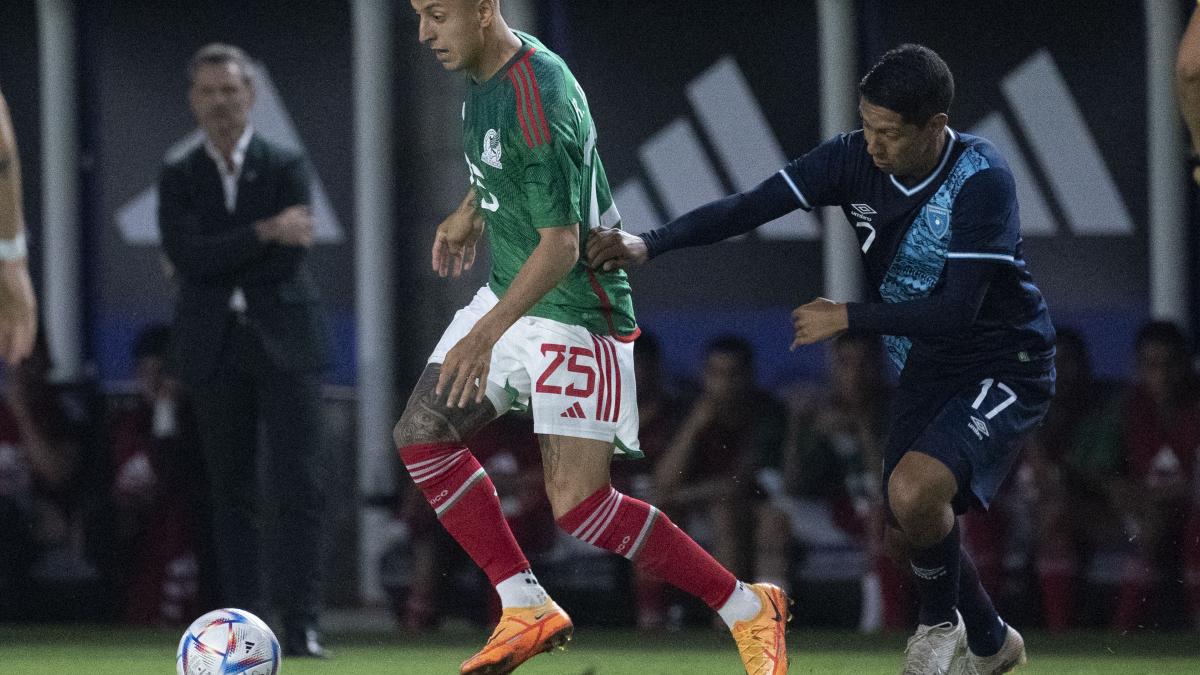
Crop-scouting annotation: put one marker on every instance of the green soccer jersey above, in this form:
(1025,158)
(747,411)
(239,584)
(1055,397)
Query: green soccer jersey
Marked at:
(530,147)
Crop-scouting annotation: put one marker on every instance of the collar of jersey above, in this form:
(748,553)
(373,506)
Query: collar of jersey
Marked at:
(908,192)
(503,72)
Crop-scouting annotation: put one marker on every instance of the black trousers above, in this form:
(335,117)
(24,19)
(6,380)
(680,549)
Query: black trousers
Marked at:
(268,528)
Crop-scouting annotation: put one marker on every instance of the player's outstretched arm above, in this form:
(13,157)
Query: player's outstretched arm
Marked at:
(454,242)
(466,366)
(18,307)
(715,221)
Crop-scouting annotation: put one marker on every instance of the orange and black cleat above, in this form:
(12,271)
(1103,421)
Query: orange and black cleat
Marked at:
(761,640)
(523,633)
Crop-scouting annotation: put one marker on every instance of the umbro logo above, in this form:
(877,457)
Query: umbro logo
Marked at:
(979,427)
(574,412)
(863,211)
(492,149)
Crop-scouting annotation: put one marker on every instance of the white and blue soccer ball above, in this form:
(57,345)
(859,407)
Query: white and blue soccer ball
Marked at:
(228,642)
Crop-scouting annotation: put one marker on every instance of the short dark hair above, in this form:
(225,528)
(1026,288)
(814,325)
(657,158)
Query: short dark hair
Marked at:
(735,346)
(153,340)
(1164,333)
(217,54)
(911,80)
(1070,338)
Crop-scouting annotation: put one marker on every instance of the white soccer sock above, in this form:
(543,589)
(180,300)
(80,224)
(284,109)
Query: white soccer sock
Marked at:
(743,605)
(521,590)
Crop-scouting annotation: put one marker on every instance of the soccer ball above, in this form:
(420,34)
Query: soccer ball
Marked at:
(228,642)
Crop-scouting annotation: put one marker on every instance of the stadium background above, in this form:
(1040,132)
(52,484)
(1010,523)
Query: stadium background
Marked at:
(657,75)
(132,108)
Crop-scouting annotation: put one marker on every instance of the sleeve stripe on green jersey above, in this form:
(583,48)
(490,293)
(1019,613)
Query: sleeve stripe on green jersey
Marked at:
(529,102)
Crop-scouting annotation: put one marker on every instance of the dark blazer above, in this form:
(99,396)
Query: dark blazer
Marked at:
(214,251)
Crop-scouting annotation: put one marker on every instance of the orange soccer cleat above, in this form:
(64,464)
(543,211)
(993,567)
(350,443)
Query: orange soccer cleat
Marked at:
(760,640)
(523,633)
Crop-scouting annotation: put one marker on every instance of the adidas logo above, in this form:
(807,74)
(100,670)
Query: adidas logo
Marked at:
(574,412)
(1074,176)
(1064,150)
(743,141)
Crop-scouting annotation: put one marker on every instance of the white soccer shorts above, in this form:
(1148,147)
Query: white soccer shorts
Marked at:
(577,383)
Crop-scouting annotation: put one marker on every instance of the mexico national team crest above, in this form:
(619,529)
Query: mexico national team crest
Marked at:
(491,149)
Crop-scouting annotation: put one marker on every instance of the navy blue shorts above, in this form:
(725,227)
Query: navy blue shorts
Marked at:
(976,429)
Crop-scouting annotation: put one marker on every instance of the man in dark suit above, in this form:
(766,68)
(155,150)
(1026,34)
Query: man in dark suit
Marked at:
(250,341)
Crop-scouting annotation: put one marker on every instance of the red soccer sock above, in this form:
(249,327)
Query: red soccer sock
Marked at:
(640,532)
(464,498)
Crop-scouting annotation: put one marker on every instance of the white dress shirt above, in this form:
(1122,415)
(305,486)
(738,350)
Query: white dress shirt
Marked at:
(231,172)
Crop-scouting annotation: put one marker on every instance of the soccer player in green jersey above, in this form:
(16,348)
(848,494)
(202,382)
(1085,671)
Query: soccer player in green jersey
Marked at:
(549,334)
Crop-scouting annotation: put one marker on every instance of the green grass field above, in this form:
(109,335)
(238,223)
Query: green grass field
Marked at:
(107,651)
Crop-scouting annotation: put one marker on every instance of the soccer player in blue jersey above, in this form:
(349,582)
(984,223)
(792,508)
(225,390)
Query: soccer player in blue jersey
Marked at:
(935,213)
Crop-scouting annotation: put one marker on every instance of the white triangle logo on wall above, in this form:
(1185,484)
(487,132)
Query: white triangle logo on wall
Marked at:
(137,219)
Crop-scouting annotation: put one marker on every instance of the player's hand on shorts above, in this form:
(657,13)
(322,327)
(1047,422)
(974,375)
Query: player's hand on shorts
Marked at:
(818,320)
(454,242)
(18,311)
(465,370)
(610,248)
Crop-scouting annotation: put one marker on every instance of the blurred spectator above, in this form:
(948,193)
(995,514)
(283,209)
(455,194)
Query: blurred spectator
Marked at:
(706,476)
(509,451)
(659,414)
(42,548)
(159,493)
(825,489)
(1054,485)
(1155,484)
(250,342)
